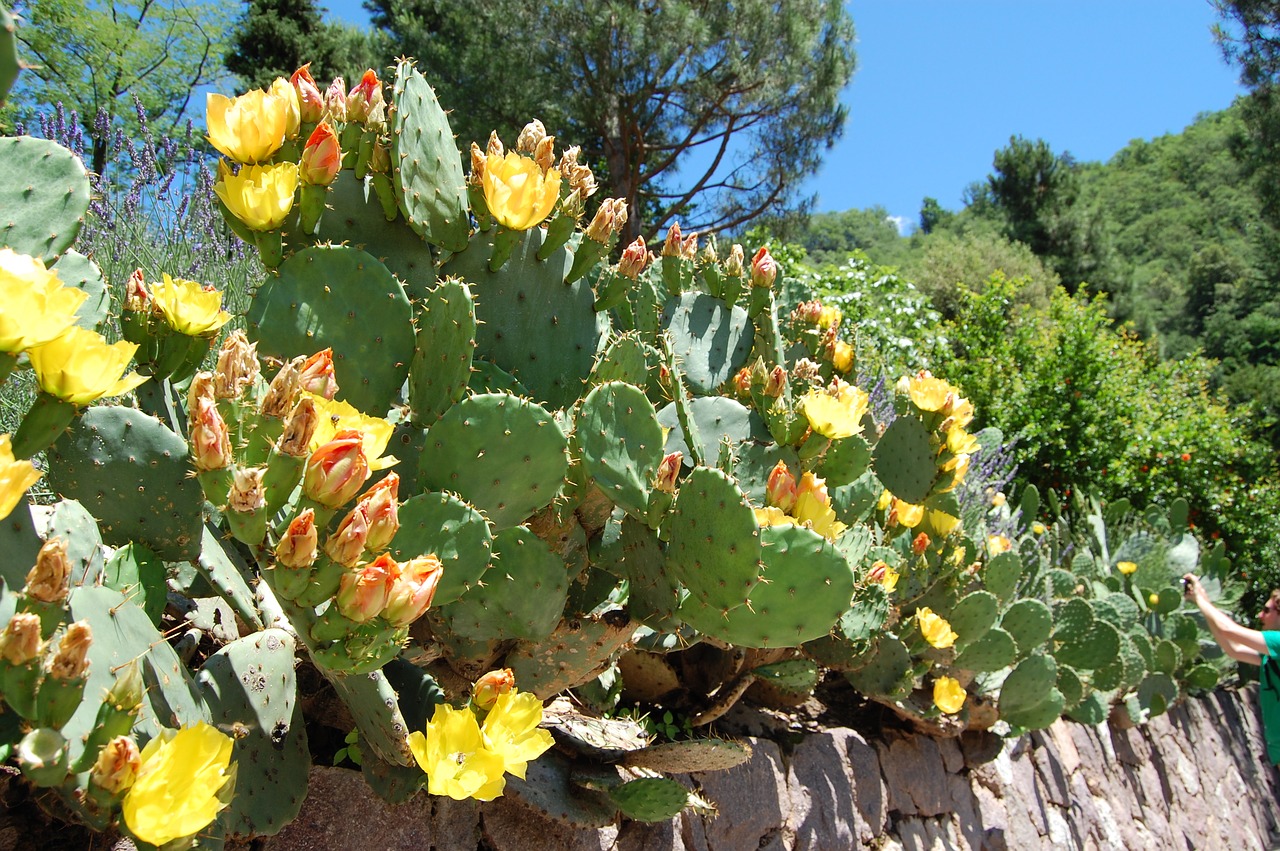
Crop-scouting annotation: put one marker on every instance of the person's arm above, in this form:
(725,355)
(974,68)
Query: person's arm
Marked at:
(1238,642)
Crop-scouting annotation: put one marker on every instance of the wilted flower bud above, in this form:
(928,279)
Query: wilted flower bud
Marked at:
(578,175)
(71,661)
(346,544)
(494,147)
(246,493)
(807,312)
(487,689)
(136,297)
(764,270)
(20,641)
(780,490)
(310,101)
(202,387)
(634,258)
(476,177)
(317,376)
(531,137)
(335,100)
(673,245)
(742,382)
(544,155)
(413,590)
(337,470)
(321,158)
(689,247)
(237,366)
(297,546)
(776,383)
(572,205)
(116,767)
(608,220)
(363,592)
(381,509)
(807,371)
(299,426)
(208,436)
(668,471)
(733,264)
(279,398)
(47,581)
(363,96)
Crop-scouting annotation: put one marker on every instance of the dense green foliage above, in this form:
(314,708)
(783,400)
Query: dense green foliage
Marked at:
(273,38)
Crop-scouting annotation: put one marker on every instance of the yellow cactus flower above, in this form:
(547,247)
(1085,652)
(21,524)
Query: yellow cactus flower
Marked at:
(511,730)
(15,477)
(452,752)
(935,628)
(261,196)
(960,442)
(942,522)
(997,544)
(188,307)
(1038,528)
(35,308)
(250,128)
(333,416)
(835,416)
(882,573)
(1126,567)
(287,94)
(771,516)
(907,514)
(517,191)
(80,367)
(948,695)
(829,315)
(818,514)
(842,357)
(928,393)
(180,776)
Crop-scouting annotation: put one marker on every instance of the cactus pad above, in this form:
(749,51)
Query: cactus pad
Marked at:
(343,299)
(133,474)
(973,615)
(711,340)
(688,756)
(716,418)
(1030,697)
(905,460)
(456,533)
(44,195)
(621,443)
(626,358)
(1029,622)
(446,339)
(886,670)
(504,455)
(714,541)
(547,789)
(1001,575)
(650,799)
(993,651)
(522,595)
(79,272)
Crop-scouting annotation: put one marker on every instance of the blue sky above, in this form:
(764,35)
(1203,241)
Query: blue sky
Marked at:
(942,84)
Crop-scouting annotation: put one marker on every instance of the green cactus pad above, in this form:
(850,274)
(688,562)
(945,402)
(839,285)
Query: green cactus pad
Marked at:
(805,588)
(1029,622)
(504,455)
(373,704)
(886,672)
(1118,609)
(1156,693)
(489,378)
(1097,648)
(44,195)
(845,461)
(20,543)
(716,418)
(855,501)
(426,168)
(533,325)
(134,475)
(122,632)
(251,691)
(711,340)
(1166,657)
(139,574)
(80,273)
(222,565)
(344,299)
(973,615)
(626,358)
(575,652)
(1092,709)
(798,676)
(650,799)
(904,460)
(654,593)
(521,596)
(688,756)
(1029,697)
(754,462)
(993,651)
(451,529)
(1062,584)
(1202,676)
(73,524)
(547,789)
(1072,620)
(446,339)
(1071,686)
(1001,575)
(621,443)
(714,542)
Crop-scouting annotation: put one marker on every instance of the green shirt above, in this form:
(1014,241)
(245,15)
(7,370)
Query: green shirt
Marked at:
(1269,694)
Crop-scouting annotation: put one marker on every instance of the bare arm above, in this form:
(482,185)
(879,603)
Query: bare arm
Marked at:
(1238,642)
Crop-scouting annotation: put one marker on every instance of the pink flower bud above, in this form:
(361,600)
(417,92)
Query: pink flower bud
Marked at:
(674,243)
(136,297)
(363,592)
(337,470)
(297,546)
(413,590)
(381,509)
(321,158)
(780,489)
(808,312)
(317,375)
(335,100)
(310,101)
(689,247)
(668,471)
(20,640)
(47,581)
(116,767)
(489,687)
(346,545)
(608,220)
(764,270)
(634,258)
(209,438)
(776,382)
(363,96)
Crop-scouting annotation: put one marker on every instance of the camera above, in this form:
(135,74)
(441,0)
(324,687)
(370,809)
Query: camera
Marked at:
(1186,587)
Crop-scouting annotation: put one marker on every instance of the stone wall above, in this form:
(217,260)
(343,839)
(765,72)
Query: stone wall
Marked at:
(1193,778)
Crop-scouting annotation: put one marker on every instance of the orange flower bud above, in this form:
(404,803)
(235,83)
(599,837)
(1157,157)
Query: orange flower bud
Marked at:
(920,543)
(346,545)
(382,511)
(780,490)
(297,547)
(634,258)
(488,688)
(764,269)
(310,101)
(47,581)
(811,484)
(209,438)
(364,96)
(321,158)
(337,470)
(363,592)
(413,589)
(317,375)
(742,382)
(668,471)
